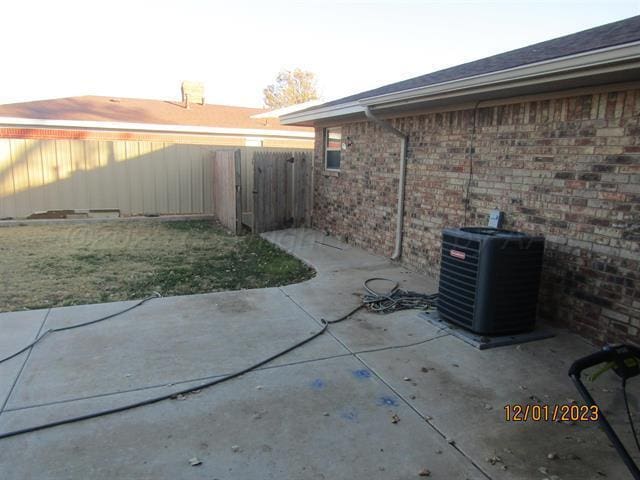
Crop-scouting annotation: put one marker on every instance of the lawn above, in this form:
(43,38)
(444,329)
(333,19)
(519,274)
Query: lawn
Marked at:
(51,265)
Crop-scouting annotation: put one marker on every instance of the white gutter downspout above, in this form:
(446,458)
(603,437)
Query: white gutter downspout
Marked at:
(401,180)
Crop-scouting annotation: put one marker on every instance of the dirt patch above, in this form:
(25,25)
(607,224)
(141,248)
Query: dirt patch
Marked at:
(68,264)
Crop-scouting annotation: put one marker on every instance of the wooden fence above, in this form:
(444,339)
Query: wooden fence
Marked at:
(227,189)
(282,190)
(272,189)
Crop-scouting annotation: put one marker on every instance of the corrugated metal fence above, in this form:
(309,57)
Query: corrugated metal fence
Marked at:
(136,177)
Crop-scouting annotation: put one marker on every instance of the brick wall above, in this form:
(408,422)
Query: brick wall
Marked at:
(567,168)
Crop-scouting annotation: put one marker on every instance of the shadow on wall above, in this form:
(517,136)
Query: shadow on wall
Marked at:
(136,177)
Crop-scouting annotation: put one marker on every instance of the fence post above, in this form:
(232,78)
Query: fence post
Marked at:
(238,190)
(308,181)
(294,205)
(254,193)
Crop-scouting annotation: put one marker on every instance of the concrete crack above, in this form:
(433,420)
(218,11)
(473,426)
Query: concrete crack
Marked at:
(15,382)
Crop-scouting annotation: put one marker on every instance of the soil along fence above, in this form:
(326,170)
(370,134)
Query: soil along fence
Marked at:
(271,188)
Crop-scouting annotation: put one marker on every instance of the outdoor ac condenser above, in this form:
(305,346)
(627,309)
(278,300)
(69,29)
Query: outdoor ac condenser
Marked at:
(489,279)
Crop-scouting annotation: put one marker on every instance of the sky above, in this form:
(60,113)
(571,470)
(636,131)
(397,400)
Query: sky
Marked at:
(144,49)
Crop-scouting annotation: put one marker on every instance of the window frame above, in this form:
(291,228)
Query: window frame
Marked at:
(327,149)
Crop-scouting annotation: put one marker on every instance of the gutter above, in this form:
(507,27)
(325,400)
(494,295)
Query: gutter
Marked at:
(596,62)
(150,127)
(607,60)
(397,252)
(319,113)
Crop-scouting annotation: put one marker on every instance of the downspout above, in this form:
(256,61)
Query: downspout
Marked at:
(401,180)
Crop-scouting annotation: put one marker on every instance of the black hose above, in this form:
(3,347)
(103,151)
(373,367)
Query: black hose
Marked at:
(393,296)
(160,398)
(71,327)
(396,299)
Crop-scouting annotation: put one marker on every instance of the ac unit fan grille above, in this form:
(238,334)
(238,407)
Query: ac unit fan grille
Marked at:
(489,279)
(458,277)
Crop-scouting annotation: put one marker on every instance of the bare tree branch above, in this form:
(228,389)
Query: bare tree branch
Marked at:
(291,88)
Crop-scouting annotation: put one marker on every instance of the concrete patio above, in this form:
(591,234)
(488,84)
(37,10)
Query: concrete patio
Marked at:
(324,411)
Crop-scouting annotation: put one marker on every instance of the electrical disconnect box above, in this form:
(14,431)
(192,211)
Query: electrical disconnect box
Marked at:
(496,217)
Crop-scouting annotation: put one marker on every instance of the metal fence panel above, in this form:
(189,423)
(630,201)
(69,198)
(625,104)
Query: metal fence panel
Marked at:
(136,177)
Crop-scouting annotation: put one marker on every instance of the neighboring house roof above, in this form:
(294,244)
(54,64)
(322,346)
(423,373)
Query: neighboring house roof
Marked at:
(101,110)
(278,112)
(600,38)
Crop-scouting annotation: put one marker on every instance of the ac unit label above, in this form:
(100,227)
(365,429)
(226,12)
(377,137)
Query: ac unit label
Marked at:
(458,254)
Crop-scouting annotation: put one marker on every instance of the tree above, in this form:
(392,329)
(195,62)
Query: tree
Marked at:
(291,88)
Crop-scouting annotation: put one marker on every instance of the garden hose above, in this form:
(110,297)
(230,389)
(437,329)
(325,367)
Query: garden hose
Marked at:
(71,327)
(393,301)
(396,299)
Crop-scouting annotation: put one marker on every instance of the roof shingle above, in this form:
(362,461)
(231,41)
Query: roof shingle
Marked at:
(131,110)
(616,33)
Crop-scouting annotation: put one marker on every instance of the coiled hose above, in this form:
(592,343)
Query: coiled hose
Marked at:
(395,299)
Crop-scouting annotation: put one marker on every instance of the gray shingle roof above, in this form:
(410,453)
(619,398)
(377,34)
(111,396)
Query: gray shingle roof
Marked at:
(616,33)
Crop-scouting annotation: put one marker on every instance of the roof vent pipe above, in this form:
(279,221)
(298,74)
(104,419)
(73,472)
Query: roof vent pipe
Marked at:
(401,180)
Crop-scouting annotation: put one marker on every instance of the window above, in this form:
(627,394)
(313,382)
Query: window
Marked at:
(333,147)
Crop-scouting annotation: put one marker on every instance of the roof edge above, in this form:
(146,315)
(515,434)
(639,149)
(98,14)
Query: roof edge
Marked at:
(580,64)
(151,127)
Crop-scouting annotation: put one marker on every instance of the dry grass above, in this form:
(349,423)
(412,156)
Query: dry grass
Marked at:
(68,264)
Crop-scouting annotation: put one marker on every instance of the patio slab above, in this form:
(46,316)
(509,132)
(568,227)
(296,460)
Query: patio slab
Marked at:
(322,411)
(18,329)
(237,431)
(464,392)
(162,342)
(322,252)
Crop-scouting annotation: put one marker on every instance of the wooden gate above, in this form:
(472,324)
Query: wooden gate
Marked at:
(262,189)
(281,190)
(227,202)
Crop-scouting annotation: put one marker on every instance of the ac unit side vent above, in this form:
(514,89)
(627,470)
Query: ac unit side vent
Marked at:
(489,279)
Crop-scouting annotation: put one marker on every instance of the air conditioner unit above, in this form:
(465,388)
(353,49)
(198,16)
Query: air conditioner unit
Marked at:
(489,279)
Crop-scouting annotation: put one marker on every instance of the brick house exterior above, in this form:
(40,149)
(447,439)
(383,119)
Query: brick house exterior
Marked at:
(567,168)
(564,164)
